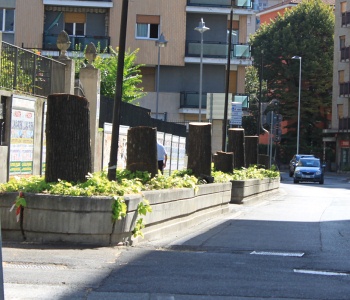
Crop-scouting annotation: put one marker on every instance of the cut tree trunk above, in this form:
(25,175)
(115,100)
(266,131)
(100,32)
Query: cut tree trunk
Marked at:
(223,161)
(236,145)
(142,150)
(199,149)
(251,150)
(68,150)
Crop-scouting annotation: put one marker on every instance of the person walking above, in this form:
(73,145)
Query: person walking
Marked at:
(162,157)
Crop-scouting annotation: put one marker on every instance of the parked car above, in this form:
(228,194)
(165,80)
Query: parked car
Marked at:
(309,169)
(294,161)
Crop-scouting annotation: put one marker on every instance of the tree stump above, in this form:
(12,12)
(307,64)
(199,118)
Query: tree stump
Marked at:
(199,149)
(251,150)
(68,150)
(223,161)
(142,150)
(237,146)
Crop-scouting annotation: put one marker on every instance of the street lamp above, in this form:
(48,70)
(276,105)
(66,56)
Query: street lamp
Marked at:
(201,29)
(160,43)
(298,130)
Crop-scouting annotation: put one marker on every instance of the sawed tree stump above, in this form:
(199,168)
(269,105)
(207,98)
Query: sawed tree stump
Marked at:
(251,150)
(68,150)
(236,145)
(199,149)
(142,150)
(223,161)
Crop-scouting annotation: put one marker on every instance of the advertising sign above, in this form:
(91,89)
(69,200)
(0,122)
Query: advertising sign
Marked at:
(236,114)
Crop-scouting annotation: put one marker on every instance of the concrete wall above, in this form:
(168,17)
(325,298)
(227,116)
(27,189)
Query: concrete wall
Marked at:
(242,190)
(88,220)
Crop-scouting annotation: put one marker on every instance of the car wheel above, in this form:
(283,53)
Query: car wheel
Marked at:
(321,181)
(296,181)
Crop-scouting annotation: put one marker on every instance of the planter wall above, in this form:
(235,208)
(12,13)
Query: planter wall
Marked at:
(244,189)
(88,220)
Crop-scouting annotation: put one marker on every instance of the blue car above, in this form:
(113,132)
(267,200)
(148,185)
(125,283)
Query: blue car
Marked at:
(310,170)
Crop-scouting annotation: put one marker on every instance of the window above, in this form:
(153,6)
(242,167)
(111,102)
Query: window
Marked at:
(74,24)
(7,20)
(341,76)
(342,41)
(147,27)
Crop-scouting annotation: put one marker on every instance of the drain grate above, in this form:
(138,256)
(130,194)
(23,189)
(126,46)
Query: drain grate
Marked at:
(325,273)
(16,265)
(291,254)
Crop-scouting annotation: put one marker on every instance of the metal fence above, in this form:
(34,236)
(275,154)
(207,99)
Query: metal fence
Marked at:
(29,72)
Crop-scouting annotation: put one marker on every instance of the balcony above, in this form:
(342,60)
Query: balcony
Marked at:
(77,42)
(191,100)
(220,3)
(345,53)
(345,19)
(217,50)
(344,89)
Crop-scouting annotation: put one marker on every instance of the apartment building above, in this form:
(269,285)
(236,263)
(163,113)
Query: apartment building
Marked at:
(36,24)
(338,135)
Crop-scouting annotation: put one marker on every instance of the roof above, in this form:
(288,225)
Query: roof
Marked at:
(288,3)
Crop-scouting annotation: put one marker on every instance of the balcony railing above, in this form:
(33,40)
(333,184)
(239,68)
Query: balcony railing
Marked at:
(217,50)
(27,72)
(344,124)
(345,53)
(345,18)
(220,3)
(344,89)
(191,100)
(77,42)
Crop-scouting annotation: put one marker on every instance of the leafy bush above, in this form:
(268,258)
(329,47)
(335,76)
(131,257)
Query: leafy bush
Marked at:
(97,184)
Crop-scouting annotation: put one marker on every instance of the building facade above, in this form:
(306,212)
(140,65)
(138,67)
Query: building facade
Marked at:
(338,135)
(36,24)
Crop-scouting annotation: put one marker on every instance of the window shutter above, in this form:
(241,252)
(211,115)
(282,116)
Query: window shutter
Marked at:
(147,19)
(75,18)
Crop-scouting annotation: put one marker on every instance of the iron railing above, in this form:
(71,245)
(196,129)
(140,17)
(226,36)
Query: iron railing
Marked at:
(77,42)
(29,72)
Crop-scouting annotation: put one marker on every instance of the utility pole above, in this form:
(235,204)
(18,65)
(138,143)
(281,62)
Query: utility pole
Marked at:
(112,166)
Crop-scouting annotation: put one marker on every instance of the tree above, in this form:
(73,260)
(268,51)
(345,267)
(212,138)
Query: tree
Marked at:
(252,88)
(108,64)
(305,31)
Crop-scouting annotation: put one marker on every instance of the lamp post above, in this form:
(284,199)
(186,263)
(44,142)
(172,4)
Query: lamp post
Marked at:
(298,130)
(201,29)
(160,43)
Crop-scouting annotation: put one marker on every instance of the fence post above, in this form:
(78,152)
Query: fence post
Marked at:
(90,78)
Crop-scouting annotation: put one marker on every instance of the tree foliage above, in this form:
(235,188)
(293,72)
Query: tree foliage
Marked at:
(306,31)
(107,63)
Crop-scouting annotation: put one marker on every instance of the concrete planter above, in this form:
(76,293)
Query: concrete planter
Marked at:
(88,220)
(244,189)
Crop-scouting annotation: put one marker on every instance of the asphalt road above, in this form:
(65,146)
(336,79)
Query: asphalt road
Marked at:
(292,244)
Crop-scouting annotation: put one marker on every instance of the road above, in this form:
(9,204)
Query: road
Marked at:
(293,244)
